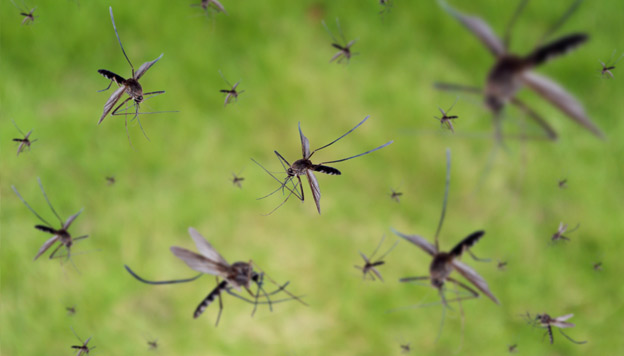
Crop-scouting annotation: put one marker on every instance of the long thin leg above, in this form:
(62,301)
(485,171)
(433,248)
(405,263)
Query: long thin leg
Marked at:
(220,305)
(336,140)
(30,208)
(561,21)
(161,282)
(512,21)
(447,185)
(118,39)
(48,200)
(283,288)
(574,341)
(552,135)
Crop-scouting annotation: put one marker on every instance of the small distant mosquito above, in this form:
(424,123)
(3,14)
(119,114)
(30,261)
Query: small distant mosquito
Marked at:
(558,236)
(305,167)
(29,16)
(237,181)
(82,349)
(387,5)
(369,267)
(607,68)
(405,348)
(445,119)
(208,5)
(237,275)
(396,196)
(512,72)
(24,141)
(546,321)
(110,180)
(71,310)
(232,93)
(60,235)
(512,348)
(129,86)
(344,50)
(501,265)
(598,266)
(563,184)
(153,344)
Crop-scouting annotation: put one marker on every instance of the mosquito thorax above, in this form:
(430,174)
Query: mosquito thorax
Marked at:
(299,167)
(241,273)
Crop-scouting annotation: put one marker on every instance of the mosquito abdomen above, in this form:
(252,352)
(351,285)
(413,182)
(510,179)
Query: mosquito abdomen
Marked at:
(327,170)
(112,76)
(556,48)
(209,299)
(45,229)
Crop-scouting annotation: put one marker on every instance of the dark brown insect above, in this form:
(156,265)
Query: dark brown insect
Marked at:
(598,266)
(512,348)
(153,344)
(29,15)
(232,93)
(210,5)
(71,310)
(130,86)
(546,321)
(344,50)
(501,265)
(405,348)
(60,235)
(110,180)
(558,236)
(82,349)
(512,72)
(24,141)
(563,184)
(235,276)
(396,196)
(237,181)
(446,119)
(369,267)
(305,167)
(607,68)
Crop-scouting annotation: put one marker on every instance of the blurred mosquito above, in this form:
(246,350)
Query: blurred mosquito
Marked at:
(82,349)
(29,15)
(130,86)
(598,266)
(443,263)
(231,93)
(405,348)
(153,344)
(512,348)
(344,50)
(305,167)
(501,265)
(110,180)
(235,276)
(237,181)
(369,267)
(210,5)
(396,196)
(607,68)
(445,119)
(24,141)
(387,5)
(60,235)
(558,236)
(546,321)
(563,184)
(71,310)
(511,72)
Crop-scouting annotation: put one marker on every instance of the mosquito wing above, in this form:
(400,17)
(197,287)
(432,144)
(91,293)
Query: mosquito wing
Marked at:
(418,241)
(305,144)
(562,324)
(219,6)
(234,86)
(351,43)
(336,56)
(364,257)
(145,66)
(205,248)
(316,190)
(71,219)
(479,28)
(474,278)
(199,262)
(557,96)
(20,147)
(110,104)
(46,246)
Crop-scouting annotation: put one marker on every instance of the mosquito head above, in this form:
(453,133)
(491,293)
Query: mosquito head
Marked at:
(438,283)
(494,103)
(290,172)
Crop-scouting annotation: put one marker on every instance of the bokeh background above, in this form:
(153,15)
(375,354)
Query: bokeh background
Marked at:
(280,51)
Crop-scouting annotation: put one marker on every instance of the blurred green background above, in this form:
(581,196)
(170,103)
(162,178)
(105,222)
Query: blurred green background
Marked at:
(280,51)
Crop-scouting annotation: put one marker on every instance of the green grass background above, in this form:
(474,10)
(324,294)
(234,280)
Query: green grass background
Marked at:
(181,178)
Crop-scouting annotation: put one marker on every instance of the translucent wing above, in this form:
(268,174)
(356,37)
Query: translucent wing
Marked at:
(145,66)
(305,144)
(336,56)
(564,318)
(557,96)
(474,278)
(351,43)
(364,257)
(205,248)
(218,6)
(71,219)
(316,190)
(20,147)
(562,324)
(110,104)
(46,246)
(199,262)
(235,85)
(418,241)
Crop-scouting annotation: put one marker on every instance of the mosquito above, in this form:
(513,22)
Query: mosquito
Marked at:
(558,236)
(344,50)
(305,167)
(405,348)
(369,267)
(512,72)
(387,5)
(130,86)
(237,181)
(446,119)
(396,196)
(153,344)
(236,276)
(512,348)
(24,141)
(208,5)
(71,310)
(60,235)
(546,321)
(502,265)
(563,183)
(607,68)
(110,180)
(443,263)
(232,93)
(29,15)
(598,266)
(82,349)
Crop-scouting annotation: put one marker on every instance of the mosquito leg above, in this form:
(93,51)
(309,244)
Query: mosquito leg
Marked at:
(48,201)
(574,341)
(410,279)
(550,132)
(160,282)
(447,185)
(220,305)
(108,87)
(457,87)
(29,207)
(55,251)
(477,258)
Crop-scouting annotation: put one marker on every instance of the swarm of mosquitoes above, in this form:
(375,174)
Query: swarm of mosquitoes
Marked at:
(509,74)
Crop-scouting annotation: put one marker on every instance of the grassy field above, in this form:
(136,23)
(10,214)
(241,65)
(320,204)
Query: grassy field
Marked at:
(181,177)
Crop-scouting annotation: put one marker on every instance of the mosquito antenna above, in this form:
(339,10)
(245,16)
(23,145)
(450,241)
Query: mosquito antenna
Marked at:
(282,160)
(574,341)
(446,192)
(361,154)
(20,131)
(575,228)
(282,184)
(160,282)
(225,80)
(562,20)
(512,21)
(29,208)
(334,141)
(48,200)
(118,39)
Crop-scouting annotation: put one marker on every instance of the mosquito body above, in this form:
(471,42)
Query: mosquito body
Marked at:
(71,310)
(609,67)
(60,235)
(598,266)
(130,86)
(446,119)
(369,269)
(110,180)
(237,181)
(82,349)
(387,5)
(558,236)
(153,344)
(25,141)
(29,15)
(231,93)
(396,196)
(405,348)
(305,167)
(344,48)
(235,276)
(502,265)
(563,184)
(512,348)
(208,5)
(512,72)
(548,322)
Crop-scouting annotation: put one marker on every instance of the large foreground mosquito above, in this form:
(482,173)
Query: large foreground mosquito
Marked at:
(548,322)
(60,235)
(235,276)
(29,15)
(344,48)
(558,236)
(511,72)
(305,167)
(25,141)
(444,263)
(231,93)
(609,66)
(130,86)
(369,270)
(446,119)
(82,349)
(211,5)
